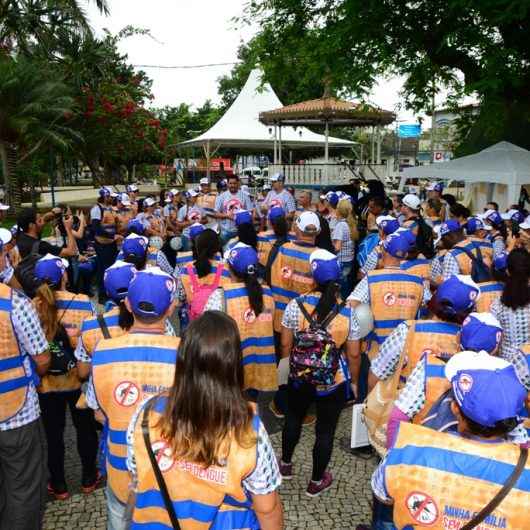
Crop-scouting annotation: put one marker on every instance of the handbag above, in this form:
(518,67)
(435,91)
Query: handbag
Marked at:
(154,464)
(508,485)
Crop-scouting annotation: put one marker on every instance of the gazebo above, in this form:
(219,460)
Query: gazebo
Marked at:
(327,111)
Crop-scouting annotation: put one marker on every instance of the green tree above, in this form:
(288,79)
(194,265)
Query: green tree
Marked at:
(33,115)
(472,47)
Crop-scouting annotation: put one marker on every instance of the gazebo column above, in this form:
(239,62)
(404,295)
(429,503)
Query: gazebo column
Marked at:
(275,159)
(280,144)
(326,153)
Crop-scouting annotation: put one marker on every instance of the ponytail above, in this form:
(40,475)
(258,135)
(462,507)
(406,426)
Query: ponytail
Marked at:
(125,319)
(47,310)
(328,300)
(345,211)
(254,290)
(516,292)
(138,262)
(206,246)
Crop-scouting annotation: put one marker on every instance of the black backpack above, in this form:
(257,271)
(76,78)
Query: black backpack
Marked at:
(25,271)
(62,354)
(480,272)
(425,239)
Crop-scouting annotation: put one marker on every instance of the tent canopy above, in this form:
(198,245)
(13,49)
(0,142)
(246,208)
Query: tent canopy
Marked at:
(240,125)
(502,163)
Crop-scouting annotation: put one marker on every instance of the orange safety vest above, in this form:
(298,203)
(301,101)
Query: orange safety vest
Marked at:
(429,336)
(108,223)
(489,292)
(91,332)
(440,481)
(436,384)
(206,201)
(125,370)
(122,219)
(208,279)
(395,296)
(290,276)
(486,249)
(72,311)
(339,330)
(266,240)
(419,267)
(463,260)
(183,259)
(203,498)
(257,336)
(14,382)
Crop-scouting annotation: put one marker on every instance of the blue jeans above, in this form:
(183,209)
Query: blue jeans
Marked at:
(116,512)
(345,279)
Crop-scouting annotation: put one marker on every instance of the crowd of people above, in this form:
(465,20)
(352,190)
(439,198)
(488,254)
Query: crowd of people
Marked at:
(157,322)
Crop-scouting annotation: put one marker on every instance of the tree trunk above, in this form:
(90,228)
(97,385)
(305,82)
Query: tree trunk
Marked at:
(94,169)
(9,166)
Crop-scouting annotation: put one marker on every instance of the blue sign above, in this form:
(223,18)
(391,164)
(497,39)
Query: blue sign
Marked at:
(409,131)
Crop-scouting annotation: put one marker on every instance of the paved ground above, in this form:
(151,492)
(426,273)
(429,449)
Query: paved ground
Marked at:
(342,507)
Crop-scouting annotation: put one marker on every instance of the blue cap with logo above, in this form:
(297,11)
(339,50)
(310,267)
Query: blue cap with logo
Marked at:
(458,292)
(399,243)
(449,226)
(50,269)
(325,266)
(387,224)
(474,223)
(276,212)
(131,188)
(493,217)
(135,226)
(243,258)
(481,331)
(500,261)
(151,292)
(104,191)
(135,245)
(436,186)
(243,217)
(117,279)
(196,229)
(333,198)
(485,387)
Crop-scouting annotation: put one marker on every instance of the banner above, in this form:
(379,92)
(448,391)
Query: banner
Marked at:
(409,131)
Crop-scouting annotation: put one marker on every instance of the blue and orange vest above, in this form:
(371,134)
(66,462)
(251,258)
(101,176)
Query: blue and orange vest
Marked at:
(395,296)
(419,267)
(91,332)
(125,370)
(203,498)
(429,336)
(72,311)
(339,330)
(257,336)
(441,481)
(208,279)
(265,242)
(108,222)
(290,276)
(463,260)
(14,383)
(489,292)
(486,249)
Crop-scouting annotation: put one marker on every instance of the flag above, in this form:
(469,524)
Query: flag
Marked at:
(409,130)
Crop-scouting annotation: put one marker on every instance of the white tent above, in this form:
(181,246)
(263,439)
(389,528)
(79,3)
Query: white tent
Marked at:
(500,170)
(240,125)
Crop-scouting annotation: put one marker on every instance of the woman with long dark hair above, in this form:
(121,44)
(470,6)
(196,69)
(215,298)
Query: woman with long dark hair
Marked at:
(324,307)
(218,454)
(246,232)
(513,308)
(61,314)
(251,305)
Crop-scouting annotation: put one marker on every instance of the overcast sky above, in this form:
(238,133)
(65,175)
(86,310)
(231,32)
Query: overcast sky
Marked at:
(193,32)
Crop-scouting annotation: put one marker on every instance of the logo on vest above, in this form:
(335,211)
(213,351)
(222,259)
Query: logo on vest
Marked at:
(389,299)
(422,508)
(214,474)
(163,455)
(126,394)
(402,300)
(286,272)
(249,316)
(465,382)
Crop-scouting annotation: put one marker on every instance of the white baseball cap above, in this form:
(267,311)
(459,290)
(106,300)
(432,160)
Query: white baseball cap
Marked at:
(276,177)
(5,236)
(412,201)
(193,193)
(307,219)
(149,201)
(124,199)
(526,224)
(204,180)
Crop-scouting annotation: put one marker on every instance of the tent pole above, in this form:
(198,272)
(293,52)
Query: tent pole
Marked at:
(275,159)
(326,153)
(280,145)
(378,145)
(208,155)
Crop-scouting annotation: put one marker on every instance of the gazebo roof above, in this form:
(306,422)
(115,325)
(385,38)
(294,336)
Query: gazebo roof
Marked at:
(328,108)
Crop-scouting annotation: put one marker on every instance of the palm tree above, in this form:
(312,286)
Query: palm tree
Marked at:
(32,115)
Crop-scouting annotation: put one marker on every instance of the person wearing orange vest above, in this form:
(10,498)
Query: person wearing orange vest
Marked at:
(126,369)
(278,232)
(492,291)
(61,314)
(219,469)
(323,305)
(206,201)
(478,231)
(394,296)
(387,225)
(453,301)
(136,250)
(443,480)
(24,356)
(251,305)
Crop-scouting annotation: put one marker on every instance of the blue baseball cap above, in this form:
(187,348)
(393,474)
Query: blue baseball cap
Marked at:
(485,387)
(435,186)
(333,198)
(243,258)
(196,229)
(474,223)
(135,245)
(399,243)
(151,292)
(276,212)
(324,266)
(50,269)
(481,331)
(513,215)
(500,261)
(449,226)
(387,224)
(131,188)
(459,292)
(117,279)
(135,226)
(243,217)
(104,192)
(492,216)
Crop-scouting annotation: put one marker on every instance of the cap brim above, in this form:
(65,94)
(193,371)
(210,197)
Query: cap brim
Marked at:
(4,207)
(471,360)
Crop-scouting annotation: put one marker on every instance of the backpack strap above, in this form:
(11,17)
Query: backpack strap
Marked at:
(272,258)
(103,326)
(35,248)
(218,274)
(307,316)
(332,314)
(193,278)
